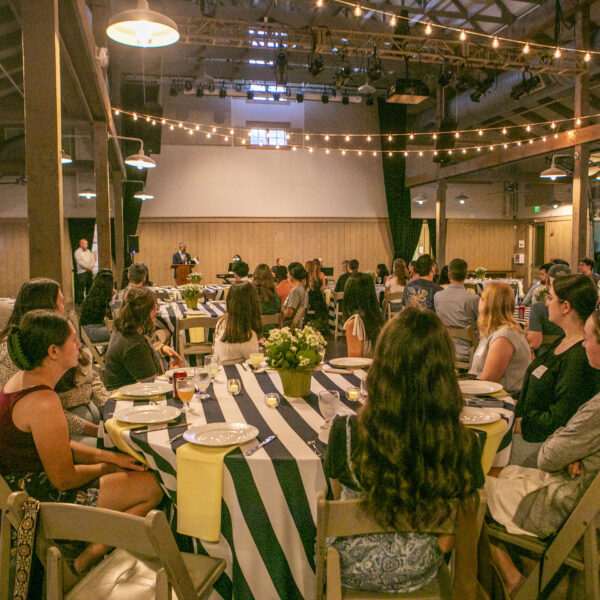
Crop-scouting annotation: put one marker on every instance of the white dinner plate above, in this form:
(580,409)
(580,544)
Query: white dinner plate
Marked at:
(470,415)
(154,388)
(351,362)
(189,371)
(474,387)
(148,414)
(220,434)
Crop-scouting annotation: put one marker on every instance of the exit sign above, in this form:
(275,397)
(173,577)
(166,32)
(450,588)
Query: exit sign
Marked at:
(536,209)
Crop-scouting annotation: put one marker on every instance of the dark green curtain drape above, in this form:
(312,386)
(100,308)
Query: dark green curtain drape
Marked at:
(80,229)
(432,231)
(405,230)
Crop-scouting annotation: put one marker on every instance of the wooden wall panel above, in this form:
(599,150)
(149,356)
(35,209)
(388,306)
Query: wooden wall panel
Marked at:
(215,241)
(486,244)
(558,239)
(14,253)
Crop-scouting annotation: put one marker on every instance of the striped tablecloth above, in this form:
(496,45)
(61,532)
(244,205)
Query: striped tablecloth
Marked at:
(268,513)
(169,312)
(220,288)
(525,319)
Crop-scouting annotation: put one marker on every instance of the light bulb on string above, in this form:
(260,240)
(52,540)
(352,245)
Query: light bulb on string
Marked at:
(368,138)
(556,136)
(393,21)
(553,125)
(319,3)
(587,57)
(390,154)
(480,132)
(135,117)
(405,154)
(518,143)
(528,128)
(450,152)
(243,142)
(557,53)
(495,42)
(389,138)
(163,121)
(464,151)
(231,132)
(531,141)
(172,127)
(434,136)
(117,112)
(180,125)
(578,122)
(147,118)
(374,153)
(197,127)
(360,152)
(208,135)
(411,136)
(358,11)
(226,138)
(504,132)
(191,132)
(463,35)
(544,139)
(293,148)
(343,153)
(491,148)
(421,153)
(457,135)
(327,151)
(153,122)
(526,48)
(428,29)
(347,138)
(326,138)
(214,130)
(478,148)
(307,137)
(310,150)
(435,153)
(505,146)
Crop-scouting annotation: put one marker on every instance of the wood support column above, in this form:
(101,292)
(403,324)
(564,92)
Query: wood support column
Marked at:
(117,186)
(41,78)
(581,186)
(440,223)
(102,194)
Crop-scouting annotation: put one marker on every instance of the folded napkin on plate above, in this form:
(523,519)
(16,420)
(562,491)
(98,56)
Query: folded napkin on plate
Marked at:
(118,396)
(199,490)
(115,429)
(486,402)
(339,371)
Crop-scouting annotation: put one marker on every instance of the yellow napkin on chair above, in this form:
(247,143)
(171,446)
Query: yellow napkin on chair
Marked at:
(200,490)
(115,429)
(494,433)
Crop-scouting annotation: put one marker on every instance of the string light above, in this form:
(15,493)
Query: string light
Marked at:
(374,153)
(389,138)
(587,57)
(463,35)
(480,132)
(148,119)
(528,128)
(505,146)
(526,48)
(163,121)
(327,151)
(478,148)
(390,154)
(578,122)
(310,150)
(293,148)
(197,127)
(504,132)
(135,117)
(457,135)
(368,138)
(214,130)
(412,136)
(307,137)
(172,127)
(434,136)
(544,139)
(491,148)
(153,122)
(343,153)
(464,151)
(243,141)
(553,125)
(393,21)
(495,42)
(319,3)
(208,135)
(358,11)
(347,138)
(360,152)
(191,132)
(180,125)
(327,138)
(428,29)
(226,138)
(405,153)
(420,153)
(117,112)
(557,53)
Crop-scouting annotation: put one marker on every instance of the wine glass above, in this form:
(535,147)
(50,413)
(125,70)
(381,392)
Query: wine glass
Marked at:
(186,390)
(211,362)
(202,382)
(364,392)
(329,401)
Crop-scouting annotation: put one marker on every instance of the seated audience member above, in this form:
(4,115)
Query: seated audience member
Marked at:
(538,500)
(444,279)
(240,271)
(503,352)
(419,292)
(237,332)
(96,307)
(278,263)
(298,296)
(396,282)
(318,263)
(283,285)
(561,380)
(363,318)
(35,452)
(406,455)
(586,267)
(530,296)
(130,356)
(137,274)
(82,395)
(456,307)
(381,273)
(341,282)
(411,271)
(560,261)
(270,302)
(317,307)
(38,293)
(539,322)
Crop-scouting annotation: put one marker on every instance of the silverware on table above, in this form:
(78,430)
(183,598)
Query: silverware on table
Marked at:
(263,443)
(176,437)
(149,428)
(312,444)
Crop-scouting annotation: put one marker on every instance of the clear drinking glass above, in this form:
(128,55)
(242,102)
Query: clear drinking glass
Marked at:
(202,382)
(234,386)
(211,362)
(364,392)
(329,401)
(185,390)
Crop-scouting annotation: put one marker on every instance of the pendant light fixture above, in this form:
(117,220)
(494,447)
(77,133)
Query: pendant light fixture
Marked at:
(553,172)
(65,159)
(420,199)
(143,196)
(142,28)
(462,198)
(87,193)
(139,160)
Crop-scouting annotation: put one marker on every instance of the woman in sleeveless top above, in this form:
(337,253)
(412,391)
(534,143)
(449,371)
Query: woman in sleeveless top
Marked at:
(405,454)
(35,452)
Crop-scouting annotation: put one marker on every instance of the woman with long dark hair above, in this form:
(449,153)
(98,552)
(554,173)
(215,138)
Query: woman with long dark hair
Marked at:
(35,451)
(381,273)
(362,315)
(317,307)
(130,355)
(95,307)
(38,293)
(237,332)
(270,302)
(406,454)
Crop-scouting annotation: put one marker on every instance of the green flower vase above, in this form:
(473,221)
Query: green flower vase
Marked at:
(191,303)
(295,382)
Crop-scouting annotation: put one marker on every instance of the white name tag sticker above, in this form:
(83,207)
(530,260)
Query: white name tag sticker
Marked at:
(539,371)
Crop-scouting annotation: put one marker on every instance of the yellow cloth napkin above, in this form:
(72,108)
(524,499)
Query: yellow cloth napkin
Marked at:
(494,434)
(199,490)
(115,429)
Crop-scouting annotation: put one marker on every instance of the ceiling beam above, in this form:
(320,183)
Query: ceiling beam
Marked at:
(498,157)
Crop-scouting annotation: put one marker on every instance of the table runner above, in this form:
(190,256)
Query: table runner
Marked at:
(268,513)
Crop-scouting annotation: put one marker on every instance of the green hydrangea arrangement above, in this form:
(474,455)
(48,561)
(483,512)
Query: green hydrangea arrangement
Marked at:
(195,278)
(190,291)
(480,272)
(299,349)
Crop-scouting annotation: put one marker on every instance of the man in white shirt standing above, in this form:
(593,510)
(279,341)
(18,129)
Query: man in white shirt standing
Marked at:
(84,261)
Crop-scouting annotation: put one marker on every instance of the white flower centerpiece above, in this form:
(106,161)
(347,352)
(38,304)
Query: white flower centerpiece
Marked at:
(541,292)
(480,273)
(294,354)
(190,293)
(195,278)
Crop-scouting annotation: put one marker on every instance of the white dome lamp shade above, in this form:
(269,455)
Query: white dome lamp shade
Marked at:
(88,194)
(65,159)
(142,28)
(419,199)
(143,196)
(553,172)
(462,198)
(140,161)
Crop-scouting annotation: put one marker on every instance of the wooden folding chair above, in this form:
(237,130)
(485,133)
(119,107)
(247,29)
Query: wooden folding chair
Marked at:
(271,319)
(93,347)
(471,287)
(338,298)
(340,518)
(7,521)
(183,346)
(209,295)
(298,318)
(468,334)
(575,545)
(110,323)
(392,297)
(146,560)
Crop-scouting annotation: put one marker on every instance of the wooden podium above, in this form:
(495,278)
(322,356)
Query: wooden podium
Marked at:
(182,272)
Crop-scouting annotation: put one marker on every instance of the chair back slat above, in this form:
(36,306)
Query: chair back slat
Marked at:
(271,319)
(298,317)
(468,334)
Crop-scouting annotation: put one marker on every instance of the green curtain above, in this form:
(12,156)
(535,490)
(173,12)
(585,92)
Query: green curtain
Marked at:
(405,230)
(432,232)
(80,229)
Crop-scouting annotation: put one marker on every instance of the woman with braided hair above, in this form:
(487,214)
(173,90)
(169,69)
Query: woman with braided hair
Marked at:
(130,355)
(35,452)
